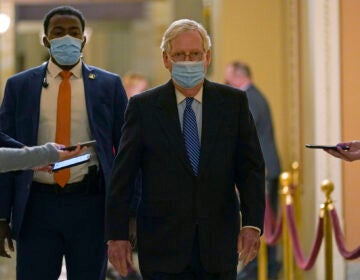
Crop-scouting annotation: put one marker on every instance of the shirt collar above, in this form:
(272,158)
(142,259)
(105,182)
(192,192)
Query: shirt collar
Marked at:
(54,70)
(180,97)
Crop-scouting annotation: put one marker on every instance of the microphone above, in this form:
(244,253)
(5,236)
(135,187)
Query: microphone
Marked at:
(45,84)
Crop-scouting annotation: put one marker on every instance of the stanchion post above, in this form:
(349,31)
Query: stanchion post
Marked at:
(295,168)
(262,260)
(288,267)
(327,187)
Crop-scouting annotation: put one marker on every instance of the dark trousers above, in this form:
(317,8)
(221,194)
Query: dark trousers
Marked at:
(194,271)
(62,225)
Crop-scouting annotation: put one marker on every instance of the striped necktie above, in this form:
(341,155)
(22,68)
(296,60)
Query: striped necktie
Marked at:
(63,122)
(191,136)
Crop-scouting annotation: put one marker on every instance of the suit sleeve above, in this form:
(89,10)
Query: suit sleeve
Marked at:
(124,173)
(26,158)
(250,173)
(7,125)
(120,101)
(7,141)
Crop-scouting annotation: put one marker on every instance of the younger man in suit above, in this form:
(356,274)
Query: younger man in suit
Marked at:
(193,140)
(64,101)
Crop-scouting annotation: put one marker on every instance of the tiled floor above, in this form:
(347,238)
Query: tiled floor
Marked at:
(7,268)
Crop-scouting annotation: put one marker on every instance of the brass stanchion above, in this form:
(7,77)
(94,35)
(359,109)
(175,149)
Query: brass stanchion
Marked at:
(327,187)
(288,267)
(295,167)
(262,260)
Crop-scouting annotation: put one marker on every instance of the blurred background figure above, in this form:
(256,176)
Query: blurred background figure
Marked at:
(238,74)
(134,83)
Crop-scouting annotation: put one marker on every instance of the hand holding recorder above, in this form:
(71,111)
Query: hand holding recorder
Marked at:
(353,153)
(72,155)
(348,151)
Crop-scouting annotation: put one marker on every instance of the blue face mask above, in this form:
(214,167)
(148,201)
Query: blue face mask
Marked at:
(188,74)
(66,50)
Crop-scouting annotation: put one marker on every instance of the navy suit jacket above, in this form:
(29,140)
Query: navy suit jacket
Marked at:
(19,118)
(173,201)
(6,141)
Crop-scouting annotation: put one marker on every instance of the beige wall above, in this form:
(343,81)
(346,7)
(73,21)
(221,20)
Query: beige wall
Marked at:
(253,31)
(350,90)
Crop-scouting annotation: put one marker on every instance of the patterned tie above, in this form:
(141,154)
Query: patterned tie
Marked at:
(191,135)
(63,122)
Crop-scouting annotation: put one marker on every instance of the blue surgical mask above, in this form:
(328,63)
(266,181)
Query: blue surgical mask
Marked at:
(66,50)
(188,74)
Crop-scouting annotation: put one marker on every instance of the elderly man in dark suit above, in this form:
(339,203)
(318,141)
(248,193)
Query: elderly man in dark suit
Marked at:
(238,75)
(62,100)
(194,142)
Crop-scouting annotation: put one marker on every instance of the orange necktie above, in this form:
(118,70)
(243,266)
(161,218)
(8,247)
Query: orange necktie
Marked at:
(63,122)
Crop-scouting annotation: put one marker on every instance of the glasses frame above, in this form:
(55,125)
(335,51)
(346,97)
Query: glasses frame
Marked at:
(193,56)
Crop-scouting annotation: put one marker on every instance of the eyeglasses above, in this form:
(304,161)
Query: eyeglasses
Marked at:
(193,56)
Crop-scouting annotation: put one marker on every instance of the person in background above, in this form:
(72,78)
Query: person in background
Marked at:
(238,75)
(67,101)
(134,83)
(352,154)
(193,140)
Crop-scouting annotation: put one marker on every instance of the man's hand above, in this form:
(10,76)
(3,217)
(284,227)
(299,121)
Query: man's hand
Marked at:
(63,155)
(120,256)
(5,235)
(248,244)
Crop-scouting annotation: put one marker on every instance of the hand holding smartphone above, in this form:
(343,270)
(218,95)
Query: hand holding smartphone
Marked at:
(70,162)
(82,144)
(331,147)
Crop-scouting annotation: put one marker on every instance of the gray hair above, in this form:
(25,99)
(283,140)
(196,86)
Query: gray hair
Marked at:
(180,26)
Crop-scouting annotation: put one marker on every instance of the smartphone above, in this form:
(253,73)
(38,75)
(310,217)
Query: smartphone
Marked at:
(70,162)
(82,144)
(345,148)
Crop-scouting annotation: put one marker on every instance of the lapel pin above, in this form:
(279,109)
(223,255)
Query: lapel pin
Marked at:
(91,76)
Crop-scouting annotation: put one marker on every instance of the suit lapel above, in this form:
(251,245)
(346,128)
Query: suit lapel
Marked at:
(32,100)
(168,117)
(212,113)
(89,79)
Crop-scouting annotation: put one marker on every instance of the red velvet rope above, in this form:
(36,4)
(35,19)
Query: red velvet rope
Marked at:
(304,264)
(339,237)
(271,236)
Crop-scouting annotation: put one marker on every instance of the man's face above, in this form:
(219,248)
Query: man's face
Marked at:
(189,44)
(234,78)
(62,25)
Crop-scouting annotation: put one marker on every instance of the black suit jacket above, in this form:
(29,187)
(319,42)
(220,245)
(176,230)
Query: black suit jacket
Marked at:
(174,202)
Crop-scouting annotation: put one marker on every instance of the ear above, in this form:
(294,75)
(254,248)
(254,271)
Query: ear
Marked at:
(207,58)
(166,60)
(83,43)
(46,42)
